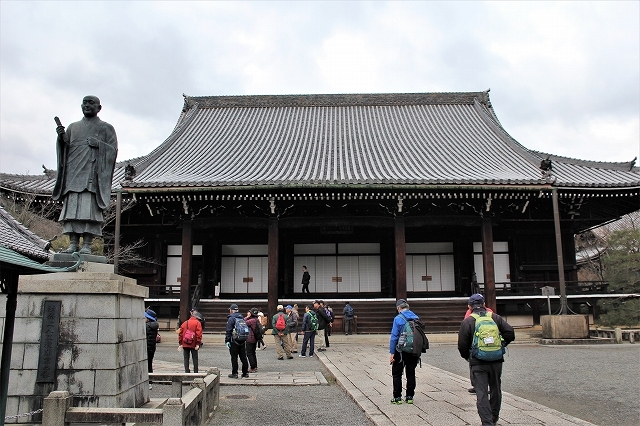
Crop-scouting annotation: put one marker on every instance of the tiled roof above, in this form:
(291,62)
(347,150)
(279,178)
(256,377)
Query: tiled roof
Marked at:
(350,140)
(355,140)
(15,236)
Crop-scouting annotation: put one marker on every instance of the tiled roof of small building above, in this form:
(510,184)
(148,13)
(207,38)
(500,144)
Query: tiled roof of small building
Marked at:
(15,236)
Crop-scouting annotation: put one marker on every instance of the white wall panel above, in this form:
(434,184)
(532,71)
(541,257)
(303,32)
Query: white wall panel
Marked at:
(227,275)
(369,270)
(410,277)
(325,271)
(447,271)
(174,272)
(348,270)
(419,271)
(433,270)
(241,271)
(255,273)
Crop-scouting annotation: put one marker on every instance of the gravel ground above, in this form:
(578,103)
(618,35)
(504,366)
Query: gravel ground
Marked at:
(271,405)
(597,383)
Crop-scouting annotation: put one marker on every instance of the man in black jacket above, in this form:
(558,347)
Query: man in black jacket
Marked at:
(486,375)
(323,324)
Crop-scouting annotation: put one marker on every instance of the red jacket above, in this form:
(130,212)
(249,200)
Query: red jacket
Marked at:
(194,325)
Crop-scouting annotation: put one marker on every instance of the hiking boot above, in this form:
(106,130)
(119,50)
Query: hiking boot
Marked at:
(471,390)
(302,356)
(289,357)
(280,359)
(321,349)
(233,376)
(253,370)
(245,376)
(409,400)
(396,401)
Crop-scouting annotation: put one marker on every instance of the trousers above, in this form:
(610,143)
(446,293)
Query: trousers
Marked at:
(486,379)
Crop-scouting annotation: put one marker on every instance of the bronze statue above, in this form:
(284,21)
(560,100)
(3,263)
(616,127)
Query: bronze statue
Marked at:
(86,159)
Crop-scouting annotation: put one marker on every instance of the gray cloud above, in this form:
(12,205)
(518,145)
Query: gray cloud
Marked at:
(564,77)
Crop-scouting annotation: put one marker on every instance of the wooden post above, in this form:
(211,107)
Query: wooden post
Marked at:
(185,272)
(116,248)
(272,286)
(401,258)
(556,222)
(487,263)
(10,277)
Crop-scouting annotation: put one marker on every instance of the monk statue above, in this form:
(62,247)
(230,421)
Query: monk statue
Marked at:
(86,158)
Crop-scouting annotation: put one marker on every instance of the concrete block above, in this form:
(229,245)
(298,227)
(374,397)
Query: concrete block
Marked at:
(78,330)
(107,331)
(27,330)
(55,408)
(125,308)
(31,356)
(91,357)
(564,327)
(21,382)
(81,382)
(107,383)
(17,356)
(98,306)
(173,412)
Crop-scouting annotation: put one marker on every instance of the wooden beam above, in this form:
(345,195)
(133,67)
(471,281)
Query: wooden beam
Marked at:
(272,286)
(185,272)
(487,263)
(401,258)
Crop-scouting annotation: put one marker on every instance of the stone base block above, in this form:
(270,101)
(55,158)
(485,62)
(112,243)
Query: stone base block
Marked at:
(564,327)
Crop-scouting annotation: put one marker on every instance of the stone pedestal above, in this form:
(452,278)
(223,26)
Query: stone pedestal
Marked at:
(564,327)
(101,356)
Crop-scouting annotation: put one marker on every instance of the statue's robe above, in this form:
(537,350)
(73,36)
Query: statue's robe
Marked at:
(85,174)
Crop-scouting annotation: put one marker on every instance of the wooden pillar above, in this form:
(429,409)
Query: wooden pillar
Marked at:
(185,272)
(272,286)
(401,258)
(556,222)
(487,263)
(10,277)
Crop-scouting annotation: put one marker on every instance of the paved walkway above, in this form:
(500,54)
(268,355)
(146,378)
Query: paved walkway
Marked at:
(360,364)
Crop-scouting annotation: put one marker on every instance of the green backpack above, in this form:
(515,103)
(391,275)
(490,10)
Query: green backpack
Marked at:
(313,320)
(487,342)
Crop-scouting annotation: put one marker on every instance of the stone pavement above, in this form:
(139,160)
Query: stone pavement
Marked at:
(441,398)
(360,365)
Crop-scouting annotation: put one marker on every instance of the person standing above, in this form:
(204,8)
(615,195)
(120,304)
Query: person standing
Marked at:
(323,323)
(151,325)
(292,324)
(348,314)
(236,349)
(402,361)
(308,321)
(280,332)
(486,370)
(466,315)
(86,154)
(264,322)
(252,322)
(306,279)
(189,338)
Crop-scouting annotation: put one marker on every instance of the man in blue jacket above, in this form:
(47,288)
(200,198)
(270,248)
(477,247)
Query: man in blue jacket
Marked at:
(402,361)
(235,348)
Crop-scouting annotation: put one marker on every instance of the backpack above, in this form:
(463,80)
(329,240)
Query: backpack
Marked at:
(240,332)
(281,324)
(313,320)
(487,340)
(412,339)
(258,333)
(329,314)
(189,336)
(348,311)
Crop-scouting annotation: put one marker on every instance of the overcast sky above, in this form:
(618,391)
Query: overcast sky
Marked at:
(564,76)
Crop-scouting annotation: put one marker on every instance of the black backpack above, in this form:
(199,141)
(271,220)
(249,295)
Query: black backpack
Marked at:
(412,339)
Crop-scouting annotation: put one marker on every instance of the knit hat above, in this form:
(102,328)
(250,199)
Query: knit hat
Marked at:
(254,312)
(280,308)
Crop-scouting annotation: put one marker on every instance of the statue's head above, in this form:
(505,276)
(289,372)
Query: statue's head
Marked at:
(91,106)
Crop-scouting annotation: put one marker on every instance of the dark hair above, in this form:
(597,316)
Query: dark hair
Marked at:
(304,266)
(308,307)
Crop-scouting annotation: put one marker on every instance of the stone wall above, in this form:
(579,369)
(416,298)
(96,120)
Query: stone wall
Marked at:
(101,357)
